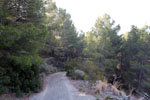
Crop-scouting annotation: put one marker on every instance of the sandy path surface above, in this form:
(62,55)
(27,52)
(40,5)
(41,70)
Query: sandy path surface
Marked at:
(58,87)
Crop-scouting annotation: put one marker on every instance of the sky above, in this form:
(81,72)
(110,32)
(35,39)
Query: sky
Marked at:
(84,13)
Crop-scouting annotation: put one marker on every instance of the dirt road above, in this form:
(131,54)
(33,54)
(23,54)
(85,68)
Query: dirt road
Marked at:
(58,87)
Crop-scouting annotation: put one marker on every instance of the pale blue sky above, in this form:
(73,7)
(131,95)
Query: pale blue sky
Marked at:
(125,12)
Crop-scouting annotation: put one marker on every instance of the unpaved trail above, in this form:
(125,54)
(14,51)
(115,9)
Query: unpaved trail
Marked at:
(58,87)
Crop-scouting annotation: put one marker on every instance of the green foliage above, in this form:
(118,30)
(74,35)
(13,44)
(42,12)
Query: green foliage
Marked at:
(78,74)
(21,11)
(4,80)
(135,58)
(103,44)
(108,98)
(91,70)
(126,56)
(90,49)
(20,40)
(8,36)
(29,28)
(22,76)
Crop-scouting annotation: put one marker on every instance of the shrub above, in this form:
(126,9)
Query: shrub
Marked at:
(47,68)
(22,76)
(146,87)
(90,68)
(78,74)
(25,73)
(108,98)
(4,80)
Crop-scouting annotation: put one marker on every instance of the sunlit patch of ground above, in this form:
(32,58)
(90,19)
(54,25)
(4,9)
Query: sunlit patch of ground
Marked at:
(82,94)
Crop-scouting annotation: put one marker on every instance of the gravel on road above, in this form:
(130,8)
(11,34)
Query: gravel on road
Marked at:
(58,87)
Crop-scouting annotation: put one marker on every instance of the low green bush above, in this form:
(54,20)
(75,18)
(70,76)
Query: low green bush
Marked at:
(90,68)
(78,74)
(22,76)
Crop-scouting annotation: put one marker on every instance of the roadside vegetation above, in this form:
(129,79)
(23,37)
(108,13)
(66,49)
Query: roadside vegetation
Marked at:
(33,30)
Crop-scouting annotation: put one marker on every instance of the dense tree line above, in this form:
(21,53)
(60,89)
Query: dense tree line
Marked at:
(34,29)
(125,57)
(135,51)
(29,30)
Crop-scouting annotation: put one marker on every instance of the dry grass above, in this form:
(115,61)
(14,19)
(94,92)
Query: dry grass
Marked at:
(122,93)
(115,91)
(102,87)
(117,84)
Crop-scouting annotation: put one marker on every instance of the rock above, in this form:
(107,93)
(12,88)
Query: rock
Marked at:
(127,98)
